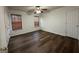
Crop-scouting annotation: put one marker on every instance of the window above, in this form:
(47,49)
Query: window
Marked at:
(36,21)
(16,22)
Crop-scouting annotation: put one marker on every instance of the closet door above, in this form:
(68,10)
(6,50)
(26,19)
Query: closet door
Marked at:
(72,23)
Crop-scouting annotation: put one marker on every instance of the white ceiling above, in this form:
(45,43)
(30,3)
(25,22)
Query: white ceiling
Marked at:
(30,8)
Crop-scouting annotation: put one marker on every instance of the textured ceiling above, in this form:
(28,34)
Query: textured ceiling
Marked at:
(29,9)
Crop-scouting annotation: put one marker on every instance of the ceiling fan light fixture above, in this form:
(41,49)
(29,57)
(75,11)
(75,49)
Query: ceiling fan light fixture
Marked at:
(38,8)
(38,11)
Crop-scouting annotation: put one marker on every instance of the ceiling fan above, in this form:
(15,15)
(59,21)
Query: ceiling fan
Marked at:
(39,10)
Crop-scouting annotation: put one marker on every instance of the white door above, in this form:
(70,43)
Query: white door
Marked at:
(72,23)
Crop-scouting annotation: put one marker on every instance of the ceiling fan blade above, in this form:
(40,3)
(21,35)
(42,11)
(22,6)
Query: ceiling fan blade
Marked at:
(44,9)
(37,6)
(30,11)
(41,11)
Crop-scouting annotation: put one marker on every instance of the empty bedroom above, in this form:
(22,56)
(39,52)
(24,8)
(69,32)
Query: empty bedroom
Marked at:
(39,29)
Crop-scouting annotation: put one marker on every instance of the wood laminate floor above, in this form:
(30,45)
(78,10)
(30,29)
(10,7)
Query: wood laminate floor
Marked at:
(42,42)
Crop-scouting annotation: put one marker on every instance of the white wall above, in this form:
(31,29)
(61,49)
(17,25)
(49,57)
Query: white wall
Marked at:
(61,21)
(27,22)
(7,24)
(54,21)
(3,37)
